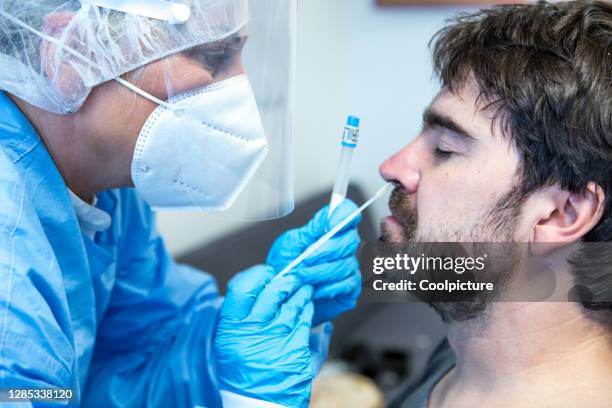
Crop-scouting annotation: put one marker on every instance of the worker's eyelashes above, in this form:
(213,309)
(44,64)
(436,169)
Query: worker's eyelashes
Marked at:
(219,55)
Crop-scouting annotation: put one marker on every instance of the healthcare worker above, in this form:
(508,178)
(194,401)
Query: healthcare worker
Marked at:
(102,95)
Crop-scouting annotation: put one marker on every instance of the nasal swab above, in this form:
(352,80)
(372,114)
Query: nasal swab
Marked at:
(311,249)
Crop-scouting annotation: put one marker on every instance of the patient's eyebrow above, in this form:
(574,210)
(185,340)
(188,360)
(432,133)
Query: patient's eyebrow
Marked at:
(432,119)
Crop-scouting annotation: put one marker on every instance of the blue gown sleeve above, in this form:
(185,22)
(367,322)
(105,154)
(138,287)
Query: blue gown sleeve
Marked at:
(154,343)
(36,336)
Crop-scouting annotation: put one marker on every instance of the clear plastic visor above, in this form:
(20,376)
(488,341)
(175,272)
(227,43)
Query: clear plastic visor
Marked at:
(263,51)
(268,58)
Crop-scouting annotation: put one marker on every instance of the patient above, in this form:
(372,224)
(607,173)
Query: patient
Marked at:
(517,147)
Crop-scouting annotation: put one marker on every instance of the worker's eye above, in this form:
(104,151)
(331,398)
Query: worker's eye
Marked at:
(214,60)
(215,57)
(442,154)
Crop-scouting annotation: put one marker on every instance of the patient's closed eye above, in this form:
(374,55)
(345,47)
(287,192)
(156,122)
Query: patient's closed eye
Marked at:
(442,154)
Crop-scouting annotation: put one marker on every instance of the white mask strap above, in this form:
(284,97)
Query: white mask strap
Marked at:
(145,94)
(79,56)
(170,11)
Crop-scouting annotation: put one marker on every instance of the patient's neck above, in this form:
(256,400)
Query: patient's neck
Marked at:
(530,349)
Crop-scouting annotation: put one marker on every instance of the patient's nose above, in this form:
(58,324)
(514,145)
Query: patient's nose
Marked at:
(402,170)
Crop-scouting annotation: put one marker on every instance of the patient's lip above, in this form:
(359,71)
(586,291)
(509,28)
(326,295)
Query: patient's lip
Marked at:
(394,228)
(391,219)
(396,218)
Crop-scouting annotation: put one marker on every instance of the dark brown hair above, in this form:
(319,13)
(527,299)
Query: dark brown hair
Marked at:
(546,69)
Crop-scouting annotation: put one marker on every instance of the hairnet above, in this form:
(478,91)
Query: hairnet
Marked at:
(52,52)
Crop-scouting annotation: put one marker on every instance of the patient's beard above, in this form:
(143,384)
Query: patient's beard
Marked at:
(492,236)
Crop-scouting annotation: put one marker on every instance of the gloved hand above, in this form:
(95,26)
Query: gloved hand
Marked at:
(262,340)
(333,270)
(320,337)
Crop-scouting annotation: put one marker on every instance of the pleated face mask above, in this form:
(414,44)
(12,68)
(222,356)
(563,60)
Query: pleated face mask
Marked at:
(200,149)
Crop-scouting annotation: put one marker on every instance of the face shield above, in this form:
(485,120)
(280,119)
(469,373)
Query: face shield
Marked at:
(269,63)
(58,51)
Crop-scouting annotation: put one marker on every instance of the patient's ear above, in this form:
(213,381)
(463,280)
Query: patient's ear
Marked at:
(564,217)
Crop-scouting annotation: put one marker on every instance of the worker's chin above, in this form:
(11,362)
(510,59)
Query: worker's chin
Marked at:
(392,231)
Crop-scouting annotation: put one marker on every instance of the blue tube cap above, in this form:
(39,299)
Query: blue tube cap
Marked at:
(353,121)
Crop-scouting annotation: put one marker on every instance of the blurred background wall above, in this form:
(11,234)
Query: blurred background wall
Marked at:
(353,57)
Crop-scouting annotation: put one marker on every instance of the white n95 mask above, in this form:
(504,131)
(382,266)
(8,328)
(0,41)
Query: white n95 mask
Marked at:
(200,149)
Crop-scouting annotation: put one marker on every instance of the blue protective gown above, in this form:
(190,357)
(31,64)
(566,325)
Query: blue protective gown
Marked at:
(115,318)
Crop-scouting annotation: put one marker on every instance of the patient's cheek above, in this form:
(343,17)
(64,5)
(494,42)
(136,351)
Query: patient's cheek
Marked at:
(445,206)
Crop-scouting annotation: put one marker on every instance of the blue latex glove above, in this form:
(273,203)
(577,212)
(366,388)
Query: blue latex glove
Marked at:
(333,270)
(263,335)
(320,337)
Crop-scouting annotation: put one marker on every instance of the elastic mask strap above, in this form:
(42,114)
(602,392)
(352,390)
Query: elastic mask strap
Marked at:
(170,11)
(144,94)
(79,56)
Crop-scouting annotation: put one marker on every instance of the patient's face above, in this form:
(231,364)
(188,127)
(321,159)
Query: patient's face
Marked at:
(457,182)
(455,179)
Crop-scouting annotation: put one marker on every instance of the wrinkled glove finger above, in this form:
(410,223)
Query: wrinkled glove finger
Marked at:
(294,242)
(349,288)
(327,273)
(340,246)
(292,309)
(284,250)
(346,208)
(337,248)
(320,224)
(243,290)
(270,299)
(301,332)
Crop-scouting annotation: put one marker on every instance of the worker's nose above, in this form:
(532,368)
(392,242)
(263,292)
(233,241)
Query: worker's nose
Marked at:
(402,169)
